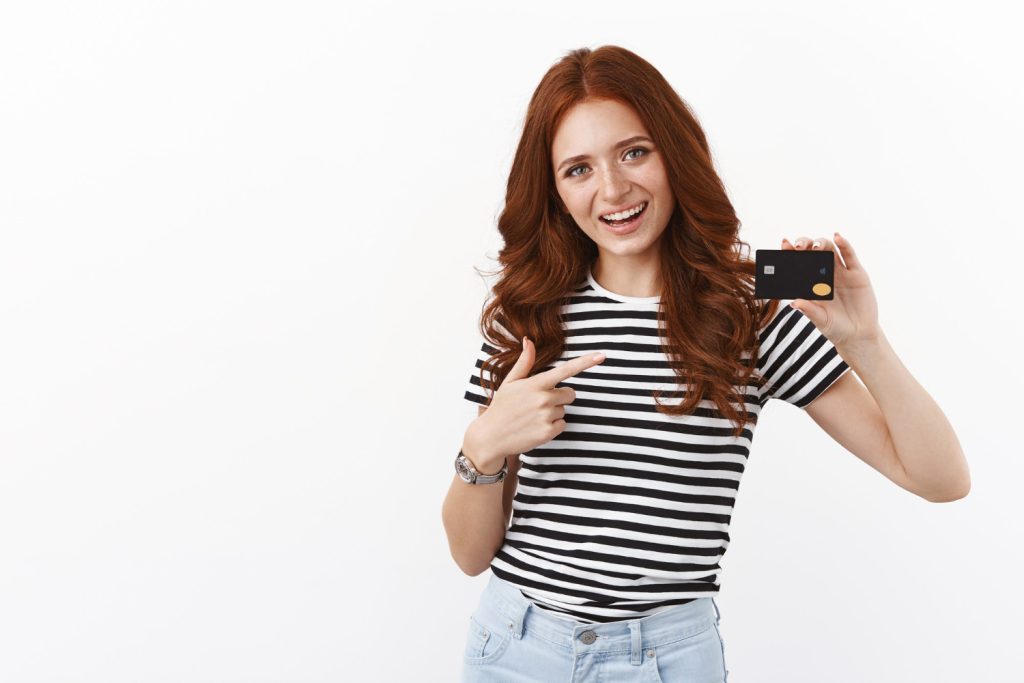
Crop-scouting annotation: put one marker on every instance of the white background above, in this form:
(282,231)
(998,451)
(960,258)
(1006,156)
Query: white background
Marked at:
(239,311)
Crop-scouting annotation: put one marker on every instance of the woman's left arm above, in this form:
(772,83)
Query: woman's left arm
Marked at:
(916,432)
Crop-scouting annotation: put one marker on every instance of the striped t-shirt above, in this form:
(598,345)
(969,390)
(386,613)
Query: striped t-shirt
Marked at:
(626,513)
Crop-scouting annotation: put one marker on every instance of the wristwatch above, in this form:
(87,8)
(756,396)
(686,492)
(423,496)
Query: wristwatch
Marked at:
(470,475)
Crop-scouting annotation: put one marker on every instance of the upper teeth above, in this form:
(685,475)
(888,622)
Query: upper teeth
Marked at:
(625,214)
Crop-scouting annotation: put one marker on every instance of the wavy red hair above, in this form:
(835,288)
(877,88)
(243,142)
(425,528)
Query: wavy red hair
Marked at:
(709,313)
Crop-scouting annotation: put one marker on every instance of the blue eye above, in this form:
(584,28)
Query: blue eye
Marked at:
(570,174)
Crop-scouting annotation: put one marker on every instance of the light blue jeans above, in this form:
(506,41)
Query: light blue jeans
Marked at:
(512,641)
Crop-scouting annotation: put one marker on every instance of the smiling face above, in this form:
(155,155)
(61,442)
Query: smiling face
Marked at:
(596,175)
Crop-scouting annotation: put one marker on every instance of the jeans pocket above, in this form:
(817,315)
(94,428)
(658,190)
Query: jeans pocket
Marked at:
(485,643)
(695,657)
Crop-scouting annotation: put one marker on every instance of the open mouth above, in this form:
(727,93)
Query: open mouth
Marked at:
(625,222)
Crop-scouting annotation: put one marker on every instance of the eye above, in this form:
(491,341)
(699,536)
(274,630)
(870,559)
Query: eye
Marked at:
(638,149)
(570,173)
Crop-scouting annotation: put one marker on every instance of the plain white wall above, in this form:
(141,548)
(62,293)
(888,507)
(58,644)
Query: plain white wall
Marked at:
(239,311)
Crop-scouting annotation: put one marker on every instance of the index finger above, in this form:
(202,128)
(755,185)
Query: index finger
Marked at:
(549,378)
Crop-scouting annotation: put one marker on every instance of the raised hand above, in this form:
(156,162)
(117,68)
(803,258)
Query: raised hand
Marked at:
(850,319)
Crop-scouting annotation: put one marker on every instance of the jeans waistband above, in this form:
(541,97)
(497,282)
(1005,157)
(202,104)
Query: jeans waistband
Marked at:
(630,635)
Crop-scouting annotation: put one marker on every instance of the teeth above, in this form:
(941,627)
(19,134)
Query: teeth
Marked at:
(625,214)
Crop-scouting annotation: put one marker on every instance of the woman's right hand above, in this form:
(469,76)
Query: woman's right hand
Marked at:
(525,411)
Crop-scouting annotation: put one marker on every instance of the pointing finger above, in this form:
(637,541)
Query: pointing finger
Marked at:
(551,377)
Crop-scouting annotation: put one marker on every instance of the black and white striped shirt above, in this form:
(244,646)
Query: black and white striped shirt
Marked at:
(626,513)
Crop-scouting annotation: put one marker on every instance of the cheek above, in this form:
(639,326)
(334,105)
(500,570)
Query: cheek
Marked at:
(577,203)
(653,177)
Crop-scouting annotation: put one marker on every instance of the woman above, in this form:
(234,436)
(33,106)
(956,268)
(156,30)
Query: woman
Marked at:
(623,288)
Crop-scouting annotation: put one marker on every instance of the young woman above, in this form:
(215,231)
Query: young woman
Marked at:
(624,367)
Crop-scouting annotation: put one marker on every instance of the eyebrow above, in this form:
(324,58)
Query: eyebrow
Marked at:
(618,145)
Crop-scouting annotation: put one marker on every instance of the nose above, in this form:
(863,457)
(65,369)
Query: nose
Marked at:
(614,185)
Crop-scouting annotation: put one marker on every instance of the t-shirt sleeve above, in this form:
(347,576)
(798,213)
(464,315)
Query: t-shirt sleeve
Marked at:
(474,391)
(798,362)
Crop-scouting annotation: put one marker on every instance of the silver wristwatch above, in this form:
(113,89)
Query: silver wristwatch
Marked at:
(469,474)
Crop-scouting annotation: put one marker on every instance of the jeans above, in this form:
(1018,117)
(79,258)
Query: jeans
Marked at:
(512,641)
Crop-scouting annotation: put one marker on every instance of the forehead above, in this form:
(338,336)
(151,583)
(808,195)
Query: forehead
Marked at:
(593,126)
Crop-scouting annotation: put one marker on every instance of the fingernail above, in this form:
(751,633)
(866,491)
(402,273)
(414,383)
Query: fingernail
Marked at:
(598,356)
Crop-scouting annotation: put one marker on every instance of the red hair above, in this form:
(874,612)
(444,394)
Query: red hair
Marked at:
(709,313)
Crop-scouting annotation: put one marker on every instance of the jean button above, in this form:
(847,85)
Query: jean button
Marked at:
(588,637)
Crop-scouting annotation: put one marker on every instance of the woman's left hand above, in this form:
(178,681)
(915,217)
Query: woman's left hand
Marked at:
(850,319)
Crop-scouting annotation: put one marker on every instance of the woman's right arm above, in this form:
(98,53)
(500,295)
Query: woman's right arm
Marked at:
(476,516)
(525,412)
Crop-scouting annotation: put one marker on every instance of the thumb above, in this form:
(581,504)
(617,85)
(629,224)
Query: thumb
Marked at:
(524,363)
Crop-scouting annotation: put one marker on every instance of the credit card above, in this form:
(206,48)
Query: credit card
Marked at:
(792,274)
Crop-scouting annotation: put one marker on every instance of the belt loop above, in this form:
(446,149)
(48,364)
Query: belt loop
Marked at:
(512,604)
(635,644)
(718,615)
(517,617)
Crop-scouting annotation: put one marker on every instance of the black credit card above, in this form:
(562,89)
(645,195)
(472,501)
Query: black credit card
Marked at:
(792,274)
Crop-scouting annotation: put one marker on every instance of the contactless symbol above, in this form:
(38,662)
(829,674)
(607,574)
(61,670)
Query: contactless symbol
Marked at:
(821,289)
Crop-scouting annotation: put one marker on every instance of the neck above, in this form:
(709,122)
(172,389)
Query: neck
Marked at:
(628,277)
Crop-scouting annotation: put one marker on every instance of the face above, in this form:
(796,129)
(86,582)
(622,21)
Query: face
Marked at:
(610,178)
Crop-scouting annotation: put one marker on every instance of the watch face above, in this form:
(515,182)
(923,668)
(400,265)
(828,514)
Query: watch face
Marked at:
(464,471)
